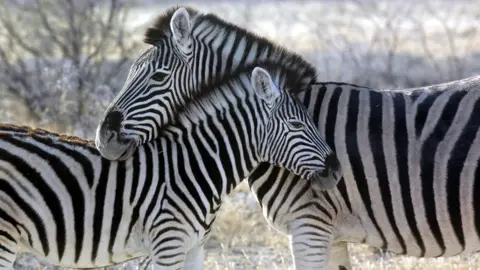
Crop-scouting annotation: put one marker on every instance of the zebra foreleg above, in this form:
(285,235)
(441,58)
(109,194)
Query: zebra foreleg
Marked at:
(145,263)
(339,257)
(195,257)
(310,248)
(306,256)
(8,252)
(171,259)
(193,260)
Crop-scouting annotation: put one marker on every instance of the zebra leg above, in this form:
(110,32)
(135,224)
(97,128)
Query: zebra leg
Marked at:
(145,263)
(195,257)
(339,257)
(310,246)
(8,251)
(168,258)
(165,263)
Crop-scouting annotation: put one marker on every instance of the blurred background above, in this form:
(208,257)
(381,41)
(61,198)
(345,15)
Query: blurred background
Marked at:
(63,61)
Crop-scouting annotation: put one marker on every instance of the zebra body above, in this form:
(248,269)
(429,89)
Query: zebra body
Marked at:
(55,200)
(410,160)
(61,200)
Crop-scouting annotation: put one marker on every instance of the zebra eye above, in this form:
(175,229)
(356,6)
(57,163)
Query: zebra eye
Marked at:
(295,124)
(159,76)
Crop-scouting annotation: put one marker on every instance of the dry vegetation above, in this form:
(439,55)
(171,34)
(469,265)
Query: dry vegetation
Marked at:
(60,60)
(381,44)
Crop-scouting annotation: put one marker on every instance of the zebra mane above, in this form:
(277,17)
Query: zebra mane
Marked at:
(339,84)
(161,26)
(7,130)
(215,97)
(300,73)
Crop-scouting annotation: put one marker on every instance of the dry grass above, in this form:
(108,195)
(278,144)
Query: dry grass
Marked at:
(242,239)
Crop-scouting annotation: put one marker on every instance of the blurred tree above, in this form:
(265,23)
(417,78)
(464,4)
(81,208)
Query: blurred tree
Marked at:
(61,59)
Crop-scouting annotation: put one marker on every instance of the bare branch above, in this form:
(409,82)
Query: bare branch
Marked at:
(78,46)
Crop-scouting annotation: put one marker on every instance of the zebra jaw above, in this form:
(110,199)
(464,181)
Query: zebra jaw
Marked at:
(132,146)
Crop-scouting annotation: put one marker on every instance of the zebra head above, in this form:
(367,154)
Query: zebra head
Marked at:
(159,81)
(189,49)
(290,139)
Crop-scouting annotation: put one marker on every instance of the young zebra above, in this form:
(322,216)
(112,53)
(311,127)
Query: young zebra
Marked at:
(410,160)
(189,50)
(61,200)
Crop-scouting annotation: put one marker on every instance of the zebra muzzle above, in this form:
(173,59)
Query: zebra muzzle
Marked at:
(115,148)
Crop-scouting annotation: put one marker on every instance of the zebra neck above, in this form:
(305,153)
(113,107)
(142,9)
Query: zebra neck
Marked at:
(210,169)
(215,154)
(229,49)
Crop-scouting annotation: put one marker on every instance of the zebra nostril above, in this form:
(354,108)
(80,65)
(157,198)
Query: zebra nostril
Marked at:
(113,121)
(332,163)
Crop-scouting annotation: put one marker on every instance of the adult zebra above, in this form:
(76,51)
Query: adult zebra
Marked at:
(168,74)
(61,200)
(410,163)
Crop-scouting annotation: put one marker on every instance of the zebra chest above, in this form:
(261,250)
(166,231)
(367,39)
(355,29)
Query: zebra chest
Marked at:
(176,215)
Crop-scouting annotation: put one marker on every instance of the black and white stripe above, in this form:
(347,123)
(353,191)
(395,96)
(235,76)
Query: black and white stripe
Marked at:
(410,160)
(61,200)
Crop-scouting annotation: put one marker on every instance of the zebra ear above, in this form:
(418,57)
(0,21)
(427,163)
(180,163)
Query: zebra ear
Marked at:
(263,85)
(180,26)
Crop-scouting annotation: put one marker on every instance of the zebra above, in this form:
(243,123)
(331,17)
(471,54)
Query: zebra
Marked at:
(409,164)
(169,73)
(61,200)
(410,160)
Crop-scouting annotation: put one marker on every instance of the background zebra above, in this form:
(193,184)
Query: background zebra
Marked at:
(190,50)
(61,200)
(410,160)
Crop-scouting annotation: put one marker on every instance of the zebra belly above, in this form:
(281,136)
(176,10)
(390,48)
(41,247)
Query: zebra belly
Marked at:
(70,254)
(103,258)
(365,231)
(432,250)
